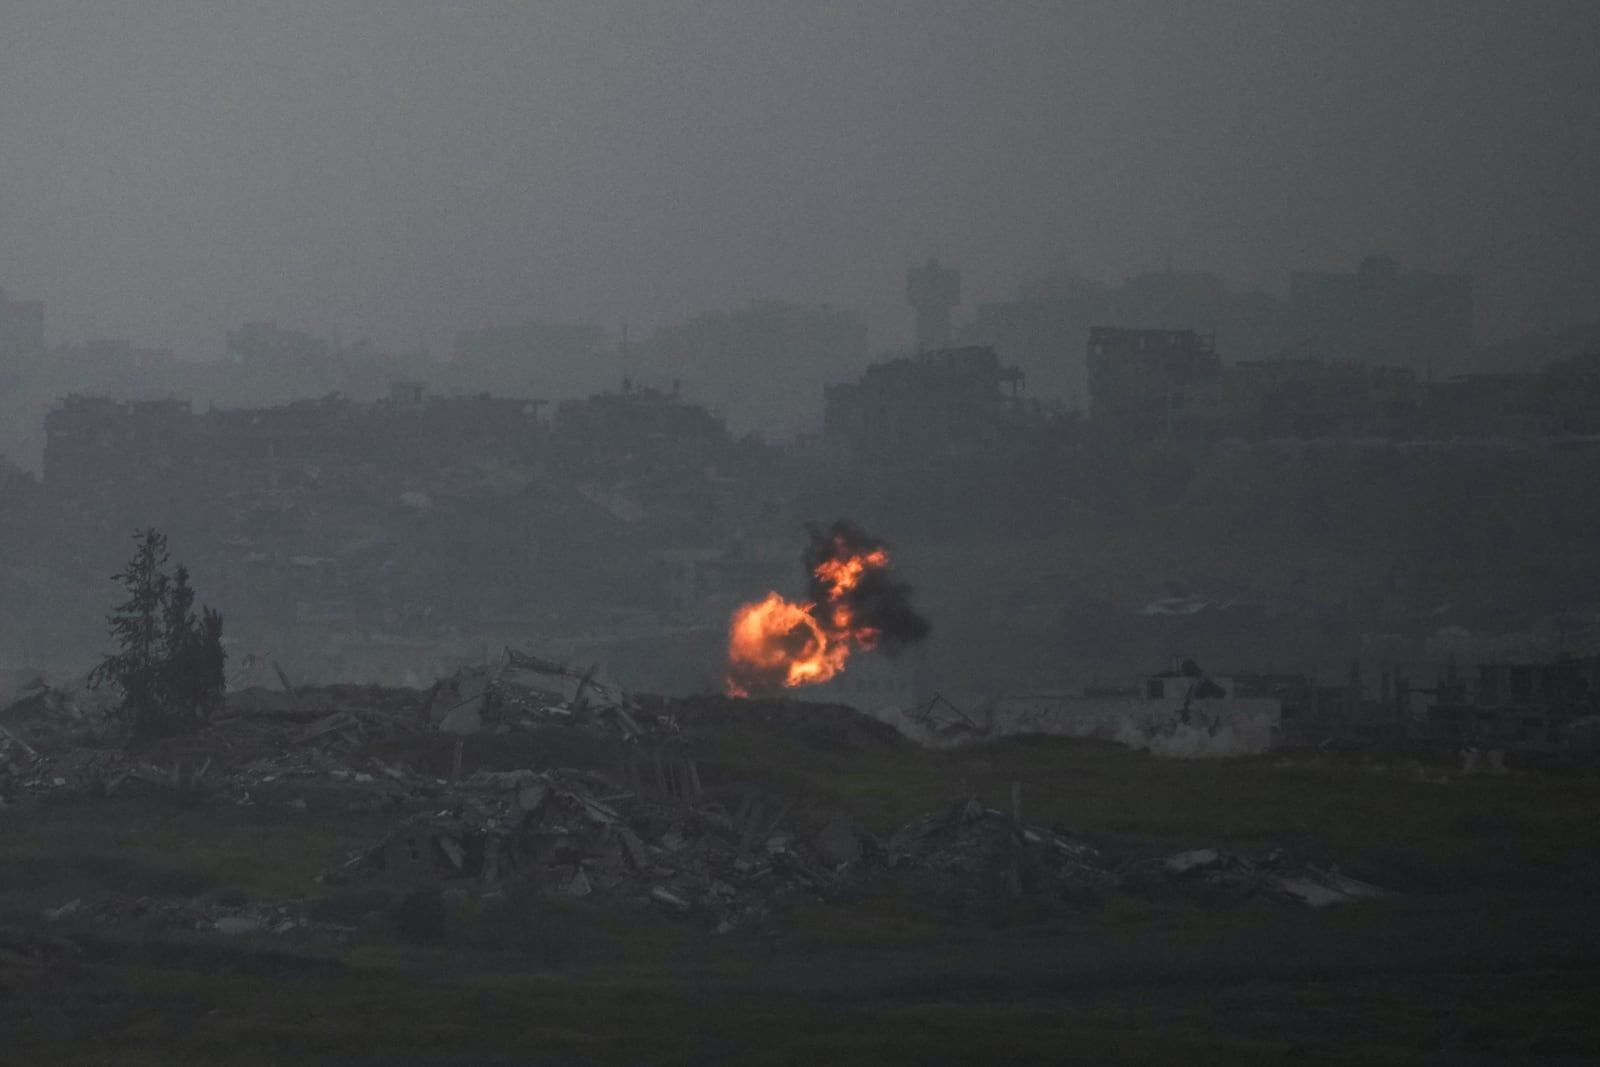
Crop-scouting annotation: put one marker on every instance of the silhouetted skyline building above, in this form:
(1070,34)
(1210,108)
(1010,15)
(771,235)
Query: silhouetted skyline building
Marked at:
(1043,328)
(1382,314)
(21,329)
(540,356)
(762,366)
(925,406)
(934,291)
(1148,381)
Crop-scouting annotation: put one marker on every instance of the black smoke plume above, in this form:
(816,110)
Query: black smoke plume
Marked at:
(881,600)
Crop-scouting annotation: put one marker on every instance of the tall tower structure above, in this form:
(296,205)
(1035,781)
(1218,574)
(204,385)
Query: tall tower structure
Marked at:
(21,329)
(934,291)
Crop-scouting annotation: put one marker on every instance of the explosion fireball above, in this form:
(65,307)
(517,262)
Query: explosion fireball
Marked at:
(855,604)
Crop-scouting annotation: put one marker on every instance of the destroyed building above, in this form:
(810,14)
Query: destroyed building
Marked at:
(940,403)
(1288,397)
(1531,708)
(1145,384)
(1181,713)
(1521,706)
(1562,400)
(1379,314)
(354,534)
(1043,326)
(637,426)
(1153,382)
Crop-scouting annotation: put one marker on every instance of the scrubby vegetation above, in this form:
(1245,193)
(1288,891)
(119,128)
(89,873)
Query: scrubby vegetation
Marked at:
(169,663)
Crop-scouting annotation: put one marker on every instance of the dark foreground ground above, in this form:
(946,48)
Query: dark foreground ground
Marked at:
(1487,950)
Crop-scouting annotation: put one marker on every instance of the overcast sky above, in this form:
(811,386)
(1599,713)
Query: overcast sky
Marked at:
(404,170)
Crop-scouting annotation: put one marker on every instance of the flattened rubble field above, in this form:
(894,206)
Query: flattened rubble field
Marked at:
(635,824)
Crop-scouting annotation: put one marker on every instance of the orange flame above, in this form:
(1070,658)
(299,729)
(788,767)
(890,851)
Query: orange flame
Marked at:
(777,642)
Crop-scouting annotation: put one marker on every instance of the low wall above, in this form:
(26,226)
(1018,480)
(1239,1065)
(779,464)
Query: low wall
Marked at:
(1210,728)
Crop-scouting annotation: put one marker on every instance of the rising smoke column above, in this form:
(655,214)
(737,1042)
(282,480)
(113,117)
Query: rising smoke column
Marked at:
(856,603)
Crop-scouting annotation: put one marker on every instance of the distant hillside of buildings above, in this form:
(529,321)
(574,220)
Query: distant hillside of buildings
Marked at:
(1379,313)
(1173,383)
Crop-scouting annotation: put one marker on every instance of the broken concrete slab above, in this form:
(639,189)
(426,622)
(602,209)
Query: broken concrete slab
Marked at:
(1195,859)
(1322,888)
(332,723)
(464,718)
(452,850)
(634,849)
(669,898)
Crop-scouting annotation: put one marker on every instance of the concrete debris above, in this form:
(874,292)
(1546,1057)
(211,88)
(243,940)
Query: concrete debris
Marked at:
(9,739)
(576,834)
(520,690)
(1273,875)
(668,897)
(1321,888)
(970,845)
(649,833)
(465,718)
(634,848)
(1206,727)
(337,722)
(65,910)
(1196,859)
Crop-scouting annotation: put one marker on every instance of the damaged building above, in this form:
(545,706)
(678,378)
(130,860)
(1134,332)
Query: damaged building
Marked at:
(1529,707)
(1146,384)
(93,440)
(940,403)
(1153,382)
(351,533)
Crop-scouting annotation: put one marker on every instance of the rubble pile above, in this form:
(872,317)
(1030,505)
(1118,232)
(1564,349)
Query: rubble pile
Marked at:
(974,847)
(574,833)
(267,741)
(523,691)
(723,869)
(1274,875)
(41,716)
(60,739)
(644,832)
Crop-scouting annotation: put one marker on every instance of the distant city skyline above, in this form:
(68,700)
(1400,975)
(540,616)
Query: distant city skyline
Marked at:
(968,315)
(405,171)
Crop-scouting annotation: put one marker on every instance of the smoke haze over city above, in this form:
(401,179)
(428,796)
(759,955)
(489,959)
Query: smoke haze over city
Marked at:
(837,531)
(404,171)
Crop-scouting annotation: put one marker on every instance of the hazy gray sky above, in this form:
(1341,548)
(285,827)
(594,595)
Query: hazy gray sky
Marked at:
(402,170)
